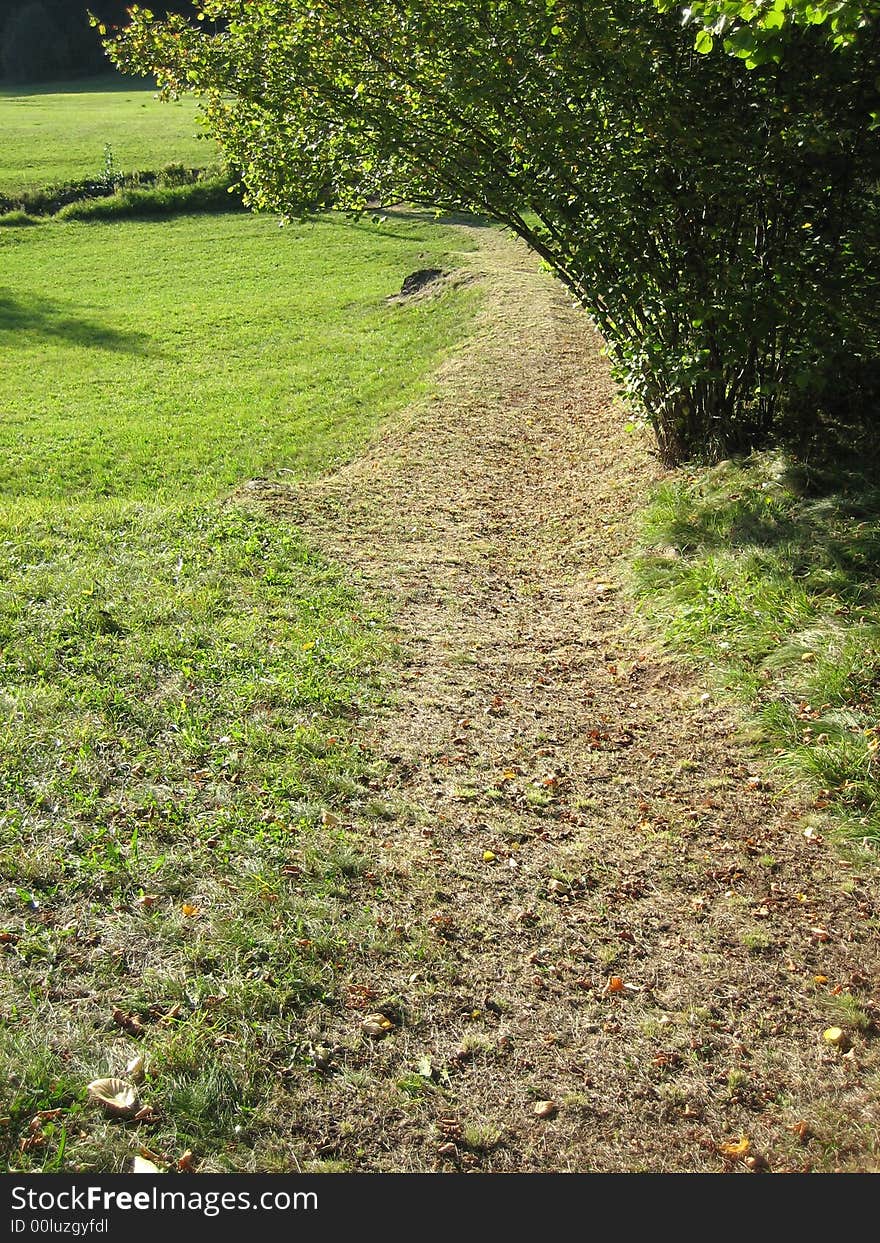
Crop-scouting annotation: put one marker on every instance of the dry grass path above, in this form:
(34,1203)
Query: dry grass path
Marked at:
(598,899)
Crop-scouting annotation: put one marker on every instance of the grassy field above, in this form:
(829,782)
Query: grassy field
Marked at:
(766,575)
(181,677)
(59,131)
(195,353)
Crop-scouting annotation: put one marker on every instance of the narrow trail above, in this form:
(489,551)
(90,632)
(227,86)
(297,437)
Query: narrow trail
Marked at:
(567,811)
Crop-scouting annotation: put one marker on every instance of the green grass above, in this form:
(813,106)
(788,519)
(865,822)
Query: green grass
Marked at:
(182,678)
(188,355)
(16,220)
(58,132)
(767,576)
(210,192)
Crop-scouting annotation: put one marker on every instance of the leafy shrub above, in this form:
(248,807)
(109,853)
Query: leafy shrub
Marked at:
(719,223)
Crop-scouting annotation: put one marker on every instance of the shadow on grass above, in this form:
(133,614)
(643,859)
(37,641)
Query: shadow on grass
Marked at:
(99,84)
(429,215)
(382,217)
(40,317)
(822,530)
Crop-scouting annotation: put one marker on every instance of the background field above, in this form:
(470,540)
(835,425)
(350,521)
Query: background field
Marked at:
(58,131)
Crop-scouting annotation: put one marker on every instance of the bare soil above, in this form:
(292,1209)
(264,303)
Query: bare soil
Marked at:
(601,902)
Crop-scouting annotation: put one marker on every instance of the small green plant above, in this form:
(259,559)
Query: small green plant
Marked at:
(737,1083)
(481,1137)
(755,940)
(848,1012)
(109,173)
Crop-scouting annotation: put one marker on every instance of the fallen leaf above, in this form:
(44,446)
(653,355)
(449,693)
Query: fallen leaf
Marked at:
(835,1036)
(116,1096)
(140,1165)
(129,1022)
(450,1128)
(159,1158)
(377,1025)
(546,1109)
(736,1149)
(190,911)
(489,856)
(136,1068)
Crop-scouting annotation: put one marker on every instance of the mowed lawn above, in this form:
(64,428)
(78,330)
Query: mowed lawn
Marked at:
(181,677)
(59,131)
(155,358)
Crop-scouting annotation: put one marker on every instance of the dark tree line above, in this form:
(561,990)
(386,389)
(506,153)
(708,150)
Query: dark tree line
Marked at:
(45,39)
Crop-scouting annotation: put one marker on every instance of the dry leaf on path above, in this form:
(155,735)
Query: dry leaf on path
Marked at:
(736,1149)
(835,1036)
(377,1025)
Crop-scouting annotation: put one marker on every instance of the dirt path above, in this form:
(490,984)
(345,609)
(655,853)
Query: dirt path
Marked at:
(566,816)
